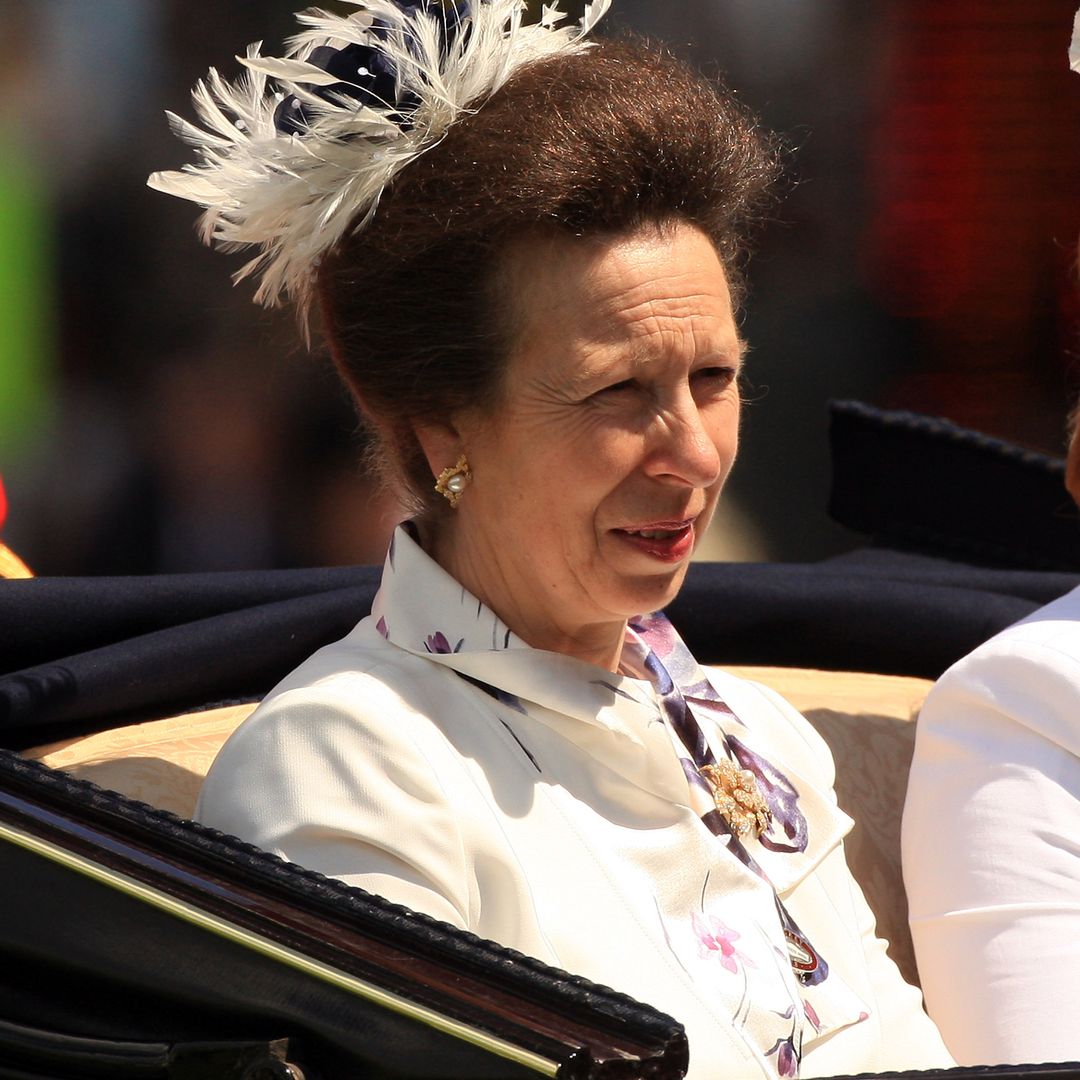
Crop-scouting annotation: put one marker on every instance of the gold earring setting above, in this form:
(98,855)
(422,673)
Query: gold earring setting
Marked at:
(453,481)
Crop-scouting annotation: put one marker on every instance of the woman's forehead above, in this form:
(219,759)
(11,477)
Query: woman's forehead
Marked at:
(596,285)
(630,302)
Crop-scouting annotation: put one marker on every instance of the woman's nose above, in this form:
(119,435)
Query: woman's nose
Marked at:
(686,447)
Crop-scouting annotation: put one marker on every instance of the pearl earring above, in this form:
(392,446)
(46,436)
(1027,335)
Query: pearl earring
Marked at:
(453,481)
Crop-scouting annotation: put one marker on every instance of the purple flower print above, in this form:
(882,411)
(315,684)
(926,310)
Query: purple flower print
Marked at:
(657,631)
(716,939)
(438,645)
(781,796)
(704,697)
(614,689)
(811,1015)
(694,777)
(661,678)
(503,696)
(673,705)
(787,1061)
(663,639)
(381,627)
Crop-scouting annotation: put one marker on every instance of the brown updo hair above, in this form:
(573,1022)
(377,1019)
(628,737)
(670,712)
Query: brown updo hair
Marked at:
(604,142)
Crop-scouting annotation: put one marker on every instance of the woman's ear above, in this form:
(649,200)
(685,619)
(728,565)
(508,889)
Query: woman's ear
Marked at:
(442,446)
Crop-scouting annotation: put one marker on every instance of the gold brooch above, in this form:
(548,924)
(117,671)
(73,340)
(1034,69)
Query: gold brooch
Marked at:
(738,798)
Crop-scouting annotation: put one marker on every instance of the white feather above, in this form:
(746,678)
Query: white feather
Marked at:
(285,70)
(1074,45)
(295,197)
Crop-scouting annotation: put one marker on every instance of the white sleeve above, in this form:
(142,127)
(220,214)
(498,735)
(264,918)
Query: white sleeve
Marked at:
(352,796)
(991,846)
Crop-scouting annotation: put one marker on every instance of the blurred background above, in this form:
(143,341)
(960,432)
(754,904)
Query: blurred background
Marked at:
(152,419)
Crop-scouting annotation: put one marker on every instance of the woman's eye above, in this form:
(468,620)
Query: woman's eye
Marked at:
(616,388)
(715,376)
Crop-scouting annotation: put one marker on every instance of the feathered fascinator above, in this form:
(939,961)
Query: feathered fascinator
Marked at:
(297,152)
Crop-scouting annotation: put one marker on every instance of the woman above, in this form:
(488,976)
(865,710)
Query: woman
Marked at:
(990,838)
(532,305)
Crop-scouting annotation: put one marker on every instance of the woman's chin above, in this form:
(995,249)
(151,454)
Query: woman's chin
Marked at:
(644,593)
(649,569)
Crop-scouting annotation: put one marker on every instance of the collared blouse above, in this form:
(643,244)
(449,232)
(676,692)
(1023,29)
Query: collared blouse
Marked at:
(436,759)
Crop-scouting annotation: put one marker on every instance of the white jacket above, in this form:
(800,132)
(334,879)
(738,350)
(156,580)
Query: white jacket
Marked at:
(991,844)
(434,758)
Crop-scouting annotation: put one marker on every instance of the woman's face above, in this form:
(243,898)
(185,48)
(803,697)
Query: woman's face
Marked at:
(619,420)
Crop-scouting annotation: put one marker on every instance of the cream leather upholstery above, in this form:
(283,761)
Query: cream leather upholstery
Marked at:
(161,762)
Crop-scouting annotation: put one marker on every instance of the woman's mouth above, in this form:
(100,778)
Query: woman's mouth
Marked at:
(668,541)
